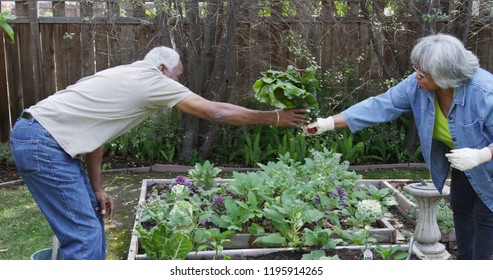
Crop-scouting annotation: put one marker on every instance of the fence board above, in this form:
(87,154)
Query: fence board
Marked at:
(4,100)
(145,41)
(484,48)
(48,58)
(62,77)
(115,58)
(87,33)
(14,74)
(27,83)
(72,53)
(101,47)
(35,50)
(126,44)
(87,50)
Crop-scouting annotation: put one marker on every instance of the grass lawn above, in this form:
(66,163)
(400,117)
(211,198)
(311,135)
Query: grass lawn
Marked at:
(25,230)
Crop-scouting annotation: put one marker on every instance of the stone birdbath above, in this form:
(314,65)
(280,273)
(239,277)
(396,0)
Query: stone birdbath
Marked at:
(427,233)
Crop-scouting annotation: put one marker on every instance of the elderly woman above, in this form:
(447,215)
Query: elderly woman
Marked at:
(451,99)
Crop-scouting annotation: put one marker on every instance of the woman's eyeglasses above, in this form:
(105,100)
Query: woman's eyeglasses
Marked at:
(421,74)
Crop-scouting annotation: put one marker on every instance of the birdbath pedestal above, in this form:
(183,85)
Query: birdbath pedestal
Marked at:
(427,233)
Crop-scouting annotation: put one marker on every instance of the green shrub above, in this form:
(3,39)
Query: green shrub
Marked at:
(6,154)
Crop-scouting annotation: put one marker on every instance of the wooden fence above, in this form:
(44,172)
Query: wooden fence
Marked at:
(55,46)
(51,53)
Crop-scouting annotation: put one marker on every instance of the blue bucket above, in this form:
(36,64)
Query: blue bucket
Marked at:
(45,254)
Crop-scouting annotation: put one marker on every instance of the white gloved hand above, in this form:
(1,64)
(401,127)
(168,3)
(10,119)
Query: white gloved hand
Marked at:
(318,127)
(466,158)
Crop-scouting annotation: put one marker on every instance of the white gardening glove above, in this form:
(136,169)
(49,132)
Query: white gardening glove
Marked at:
(466,158)
(318,127)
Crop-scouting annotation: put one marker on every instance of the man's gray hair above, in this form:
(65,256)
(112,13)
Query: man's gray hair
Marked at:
(163,55)
(446,59)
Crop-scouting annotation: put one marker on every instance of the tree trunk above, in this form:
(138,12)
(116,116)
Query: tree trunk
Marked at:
(388,38)
(162,21)
(224,72)
(465,22)
(426,27)
(192,52)
(373,39)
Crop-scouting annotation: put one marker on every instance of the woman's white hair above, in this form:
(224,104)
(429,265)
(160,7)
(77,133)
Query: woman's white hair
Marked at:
(163,55)
(446,59)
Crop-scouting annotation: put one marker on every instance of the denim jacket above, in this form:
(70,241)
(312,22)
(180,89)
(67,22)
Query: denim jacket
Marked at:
(470,122)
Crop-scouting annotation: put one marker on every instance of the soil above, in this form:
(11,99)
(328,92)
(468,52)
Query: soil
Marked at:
(8,173)
(343,254)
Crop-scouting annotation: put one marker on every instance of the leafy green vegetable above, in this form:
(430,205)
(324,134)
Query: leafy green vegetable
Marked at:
(161,243)
(292,88)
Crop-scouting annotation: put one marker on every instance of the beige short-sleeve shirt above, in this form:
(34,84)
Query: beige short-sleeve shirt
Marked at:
(103,106)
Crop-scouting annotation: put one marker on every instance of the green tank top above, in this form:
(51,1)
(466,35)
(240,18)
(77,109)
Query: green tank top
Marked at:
(441,131)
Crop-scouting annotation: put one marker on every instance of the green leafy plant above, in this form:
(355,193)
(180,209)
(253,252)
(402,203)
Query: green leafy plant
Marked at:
(318,255)
(161,243)
(238,212)
(289,215)
(389,252)
(106,166)
(168,154)
(204,174)
(295,145)
(350,149)
(293,88)
(6,154)
(155,138)
(357,236)
(253,153)
(216,240)
(171,237)
(320,238)
(4,16)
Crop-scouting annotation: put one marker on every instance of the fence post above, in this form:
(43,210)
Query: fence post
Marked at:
(4,100)
(35,48)
(87,39)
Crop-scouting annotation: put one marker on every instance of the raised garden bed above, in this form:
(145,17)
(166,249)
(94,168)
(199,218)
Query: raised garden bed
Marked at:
(315,204)
(242,244)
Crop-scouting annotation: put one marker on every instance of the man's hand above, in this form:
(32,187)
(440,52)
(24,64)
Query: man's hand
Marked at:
(106,204)
(466,158)
(318,127)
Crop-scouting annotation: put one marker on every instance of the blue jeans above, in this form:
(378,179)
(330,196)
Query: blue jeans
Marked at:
(60,187)
(473,221)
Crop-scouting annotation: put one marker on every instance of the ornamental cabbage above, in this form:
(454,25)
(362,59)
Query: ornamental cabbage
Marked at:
(370,209)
